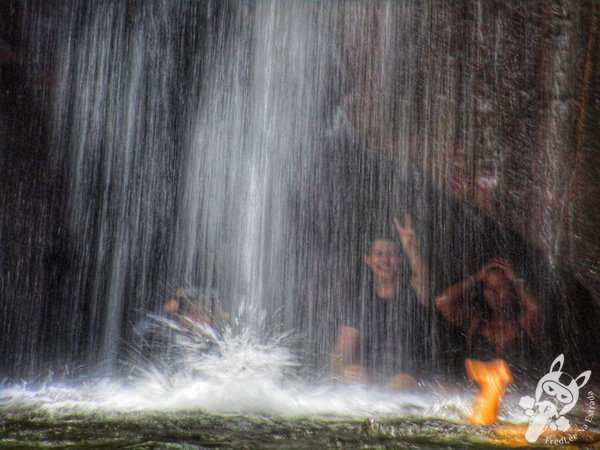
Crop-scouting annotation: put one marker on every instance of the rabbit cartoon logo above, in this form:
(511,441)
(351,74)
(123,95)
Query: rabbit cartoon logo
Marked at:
(555,395)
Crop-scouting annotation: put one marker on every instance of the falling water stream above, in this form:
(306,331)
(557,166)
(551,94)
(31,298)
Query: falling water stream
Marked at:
(247,147)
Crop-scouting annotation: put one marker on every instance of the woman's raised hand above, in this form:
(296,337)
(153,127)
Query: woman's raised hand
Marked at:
(407,235)
(497,263)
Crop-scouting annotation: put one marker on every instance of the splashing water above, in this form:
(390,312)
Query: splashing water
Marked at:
(242,373)
(246,371)
(233,370)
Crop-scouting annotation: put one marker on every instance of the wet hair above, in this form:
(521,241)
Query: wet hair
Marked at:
(368,245)
(379,232)
(497,270)
(514,307)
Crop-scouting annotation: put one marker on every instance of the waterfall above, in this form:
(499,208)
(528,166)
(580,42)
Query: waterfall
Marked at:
(249,147)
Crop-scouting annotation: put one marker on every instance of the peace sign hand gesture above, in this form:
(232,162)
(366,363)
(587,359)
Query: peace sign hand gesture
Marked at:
(410,244)
(407,235)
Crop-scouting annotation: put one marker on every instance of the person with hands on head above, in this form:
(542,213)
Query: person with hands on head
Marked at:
(378,338)
(502,319)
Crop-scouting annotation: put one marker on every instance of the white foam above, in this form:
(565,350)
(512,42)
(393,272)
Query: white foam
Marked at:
(243,374)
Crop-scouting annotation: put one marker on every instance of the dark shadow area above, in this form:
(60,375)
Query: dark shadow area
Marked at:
(28,208)
(356,191)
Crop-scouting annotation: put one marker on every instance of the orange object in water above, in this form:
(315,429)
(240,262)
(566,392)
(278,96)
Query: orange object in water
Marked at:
(492,378)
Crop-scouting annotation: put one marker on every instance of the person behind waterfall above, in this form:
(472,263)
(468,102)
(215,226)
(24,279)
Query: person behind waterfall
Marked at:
(498,313)
(381,337)
(189,308)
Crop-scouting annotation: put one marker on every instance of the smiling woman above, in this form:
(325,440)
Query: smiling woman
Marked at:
(383,259)
(374,342)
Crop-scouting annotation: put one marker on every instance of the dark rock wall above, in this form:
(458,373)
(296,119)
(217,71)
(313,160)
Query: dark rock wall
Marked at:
(506,115)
